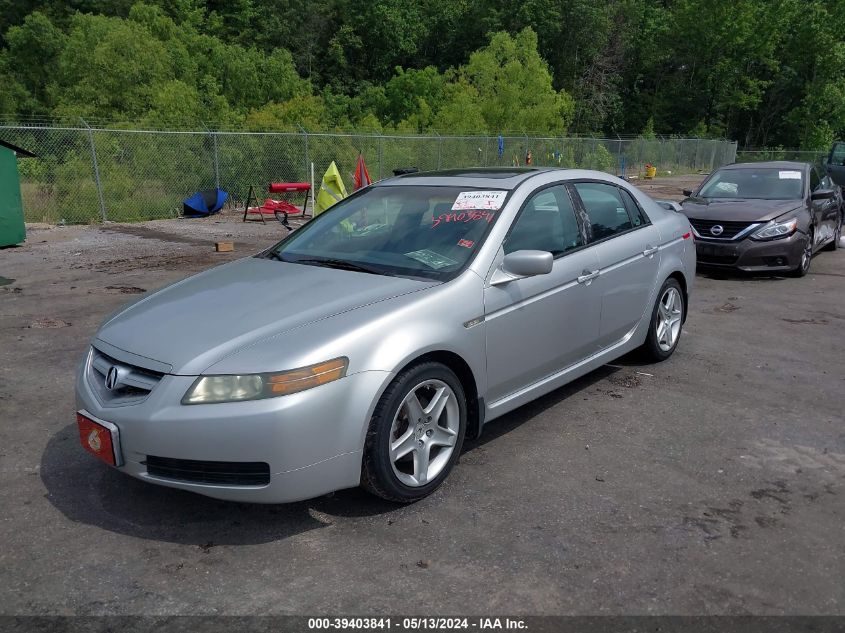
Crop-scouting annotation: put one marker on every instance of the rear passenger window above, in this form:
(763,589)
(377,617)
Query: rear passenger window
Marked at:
(605,208)
(638,217)
(546,223)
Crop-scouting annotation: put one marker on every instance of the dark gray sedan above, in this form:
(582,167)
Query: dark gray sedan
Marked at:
(764,217)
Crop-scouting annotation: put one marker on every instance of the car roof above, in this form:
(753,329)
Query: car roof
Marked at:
(491,177)
(772,164)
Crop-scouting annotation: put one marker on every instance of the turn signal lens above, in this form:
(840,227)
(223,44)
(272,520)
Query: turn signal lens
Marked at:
(307,377)
(215,389)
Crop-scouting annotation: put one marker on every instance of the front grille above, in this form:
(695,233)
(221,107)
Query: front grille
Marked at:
(731,229)
(203,472)
(134,383)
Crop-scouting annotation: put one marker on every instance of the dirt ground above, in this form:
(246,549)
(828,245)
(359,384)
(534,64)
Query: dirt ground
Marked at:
(669,187)
(708,484)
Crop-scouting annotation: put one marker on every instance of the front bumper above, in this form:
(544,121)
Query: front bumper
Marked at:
(312,441)
(750,255)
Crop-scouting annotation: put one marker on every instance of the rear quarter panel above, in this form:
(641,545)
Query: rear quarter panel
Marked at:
(677,254)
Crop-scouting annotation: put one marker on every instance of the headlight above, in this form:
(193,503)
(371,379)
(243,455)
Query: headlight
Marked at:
(773,230)
(213,389)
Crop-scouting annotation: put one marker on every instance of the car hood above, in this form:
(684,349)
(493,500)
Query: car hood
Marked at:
(737,210)
(196,322)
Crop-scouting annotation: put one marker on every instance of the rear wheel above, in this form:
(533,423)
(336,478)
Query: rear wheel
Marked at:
(667,320)
(415,434)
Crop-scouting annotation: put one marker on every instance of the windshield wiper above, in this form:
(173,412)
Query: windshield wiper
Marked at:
(273,255)
(342,264)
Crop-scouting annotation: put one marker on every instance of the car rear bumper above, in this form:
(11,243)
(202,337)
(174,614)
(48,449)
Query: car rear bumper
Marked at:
(751,256)
(309,443)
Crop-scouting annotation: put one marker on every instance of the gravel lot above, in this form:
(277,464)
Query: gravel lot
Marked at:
(711,483)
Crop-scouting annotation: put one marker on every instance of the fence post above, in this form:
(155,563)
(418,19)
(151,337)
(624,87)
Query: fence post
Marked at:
(103,214)
(216,161)
(380,138)
(307,159)
(439,149)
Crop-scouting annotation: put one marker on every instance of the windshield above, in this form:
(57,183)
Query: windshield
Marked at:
(415,231)
(766,183)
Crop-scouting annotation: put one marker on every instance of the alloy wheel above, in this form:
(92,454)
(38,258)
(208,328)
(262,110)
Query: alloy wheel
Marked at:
(424,432)
(807,255)
(670,312)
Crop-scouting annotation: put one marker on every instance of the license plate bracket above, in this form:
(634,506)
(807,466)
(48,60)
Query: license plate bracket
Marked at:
(100,438)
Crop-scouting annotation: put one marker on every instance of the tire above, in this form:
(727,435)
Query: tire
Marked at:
(405,462)
(834,244)
(806,258)
(667,320)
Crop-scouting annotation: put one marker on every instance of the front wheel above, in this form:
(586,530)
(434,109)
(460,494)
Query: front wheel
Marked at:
(806,258)
(415,434)
(667,320)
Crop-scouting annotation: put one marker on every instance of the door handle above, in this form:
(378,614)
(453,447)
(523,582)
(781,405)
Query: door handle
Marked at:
(650,250)
(587,276)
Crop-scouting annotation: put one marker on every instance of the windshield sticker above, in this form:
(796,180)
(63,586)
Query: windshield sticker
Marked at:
(467,216)
(432,259)
(789,175)
(466,243)
(488,200)
(727,187)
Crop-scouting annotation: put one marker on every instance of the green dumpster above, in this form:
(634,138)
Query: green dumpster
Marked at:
(12,227)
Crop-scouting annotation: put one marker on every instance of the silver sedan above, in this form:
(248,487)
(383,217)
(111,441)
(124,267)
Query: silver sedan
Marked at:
(366,346)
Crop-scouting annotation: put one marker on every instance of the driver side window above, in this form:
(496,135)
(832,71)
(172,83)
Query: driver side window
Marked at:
(546,223)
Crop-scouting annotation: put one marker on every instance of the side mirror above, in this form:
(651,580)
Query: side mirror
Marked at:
(824,194)
(670,205)
(523,264)
(687,192)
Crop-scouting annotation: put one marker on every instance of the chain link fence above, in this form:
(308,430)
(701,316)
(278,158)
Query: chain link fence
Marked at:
(87,175)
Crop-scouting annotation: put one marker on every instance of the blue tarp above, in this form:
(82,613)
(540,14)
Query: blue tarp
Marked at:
(204,202)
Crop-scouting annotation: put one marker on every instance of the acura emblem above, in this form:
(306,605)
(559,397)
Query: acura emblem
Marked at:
(112,378)
(717,229)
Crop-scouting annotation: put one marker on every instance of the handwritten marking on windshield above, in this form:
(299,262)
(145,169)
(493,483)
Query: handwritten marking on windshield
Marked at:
(467,216)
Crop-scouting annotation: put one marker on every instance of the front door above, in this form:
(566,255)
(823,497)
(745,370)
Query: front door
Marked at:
(826,212)
(539,325)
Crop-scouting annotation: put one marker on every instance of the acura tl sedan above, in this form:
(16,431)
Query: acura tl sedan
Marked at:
(364,347)
(764,217)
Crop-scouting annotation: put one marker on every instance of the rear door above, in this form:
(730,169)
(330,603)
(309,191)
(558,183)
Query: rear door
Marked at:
(626,243)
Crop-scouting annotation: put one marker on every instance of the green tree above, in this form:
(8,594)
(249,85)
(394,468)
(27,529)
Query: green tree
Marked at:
(514,86)
(33,48)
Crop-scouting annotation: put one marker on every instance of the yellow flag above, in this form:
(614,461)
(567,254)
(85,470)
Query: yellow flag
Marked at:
(332,190)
